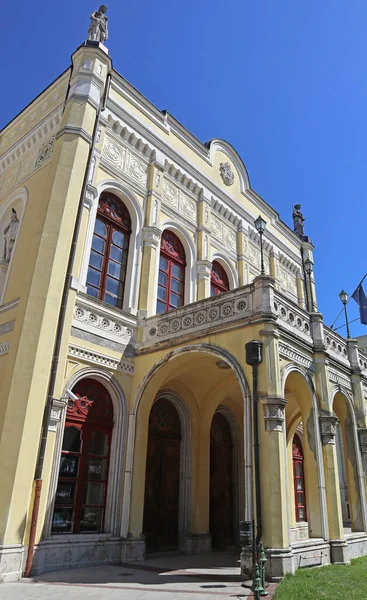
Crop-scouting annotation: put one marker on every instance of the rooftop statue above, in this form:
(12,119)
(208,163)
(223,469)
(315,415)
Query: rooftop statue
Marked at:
(98,25)
(298,219)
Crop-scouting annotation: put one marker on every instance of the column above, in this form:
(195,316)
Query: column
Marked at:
(338,546)
(148,283)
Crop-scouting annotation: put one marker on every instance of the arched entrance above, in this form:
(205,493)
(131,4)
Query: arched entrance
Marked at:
(162,478)
(221,482)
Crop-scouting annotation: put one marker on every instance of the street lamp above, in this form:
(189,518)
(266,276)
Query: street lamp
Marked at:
(344,298)
(260,225)
(309,271)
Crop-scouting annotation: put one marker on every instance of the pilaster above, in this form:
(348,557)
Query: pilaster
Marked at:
(339,548)
(241,251)
(203,270)
(151,246)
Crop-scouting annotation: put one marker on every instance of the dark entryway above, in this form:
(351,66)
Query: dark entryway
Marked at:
(221,483)
(162,478)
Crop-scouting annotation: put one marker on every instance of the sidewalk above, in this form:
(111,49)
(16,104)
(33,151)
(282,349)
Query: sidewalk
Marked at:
(178,577)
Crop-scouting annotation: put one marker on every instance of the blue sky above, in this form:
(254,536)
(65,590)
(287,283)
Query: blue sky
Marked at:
(284,82)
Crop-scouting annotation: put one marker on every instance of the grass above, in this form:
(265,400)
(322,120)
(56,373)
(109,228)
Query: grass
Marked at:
(333,582)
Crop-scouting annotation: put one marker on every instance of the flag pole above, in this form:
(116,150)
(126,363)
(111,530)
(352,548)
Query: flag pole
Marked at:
(350,297)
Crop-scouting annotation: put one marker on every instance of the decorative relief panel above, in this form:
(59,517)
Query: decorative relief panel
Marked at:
(222,232)
(291,317)
(45,151)
(174,197)
(287,281)
(125,160)
(101,359)
(252,252)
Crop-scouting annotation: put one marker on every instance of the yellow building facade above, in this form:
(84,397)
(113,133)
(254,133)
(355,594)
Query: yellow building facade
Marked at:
(130,284)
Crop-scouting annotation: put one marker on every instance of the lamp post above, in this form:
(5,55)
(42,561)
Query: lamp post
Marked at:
(254,357)
(309,271)
(260,225)
(344,298)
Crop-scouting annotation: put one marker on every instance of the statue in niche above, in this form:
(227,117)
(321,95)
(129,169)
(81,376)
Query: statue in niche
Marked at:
(10,234)
(298,219)
(98,25)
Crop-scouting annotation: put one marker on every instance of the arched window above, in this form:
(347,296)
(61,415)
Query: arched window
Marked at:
(110,245)
(299,480)
(83,475)
(218,279)
(171,277)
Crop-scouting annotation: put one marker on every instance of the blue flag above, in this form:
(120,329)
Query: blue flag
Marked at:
(360,297)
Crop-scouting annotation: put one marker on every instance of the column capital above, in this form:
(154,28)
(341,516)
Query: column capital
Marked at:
(203,268)
(151,236)
(90,195)
(274,412)
(328,423)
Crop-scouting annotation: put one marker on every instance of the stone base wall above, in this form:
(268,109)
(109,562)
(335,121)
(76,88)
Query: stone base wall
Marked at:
(58,554)
(357,545)
(11,562)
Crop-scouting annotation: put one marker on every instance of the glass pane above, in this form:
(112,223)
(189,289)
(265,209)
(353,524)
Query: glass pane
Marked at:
(69,466)
(96,469)
(299,469)
(301,514)
(118,238)
(163,264)
(100,228)
(62,520)
(176,286)
(116,253)
(71,441)
(113,286)
(94,493)
(162,278)
(177,271)
(161,307)
(98,244)
(162,293)
(93,277)
(92,291)
(98,443)
(212,291)
(300,484)
(91,519)
(175,300)
(114,269)
(113,300)
(65,493)
(300,498)
(96,260)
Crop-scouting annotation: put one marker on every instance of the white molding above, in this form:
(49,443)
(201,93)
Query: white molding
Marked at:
(291,354)
(9,305)
(103,360)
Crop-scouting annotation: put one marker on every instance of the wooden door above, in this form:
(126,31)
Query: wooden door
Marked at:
(162,480)
(221,482)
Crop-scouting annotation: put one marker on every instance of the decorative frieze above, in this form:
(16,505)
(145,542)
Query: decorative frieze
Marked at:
(274,412)
(339,378)
(328,425)
(176,199)
(199,317)
(103,360)
(295,356)
(223,233)
(94,317)
(125,161)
